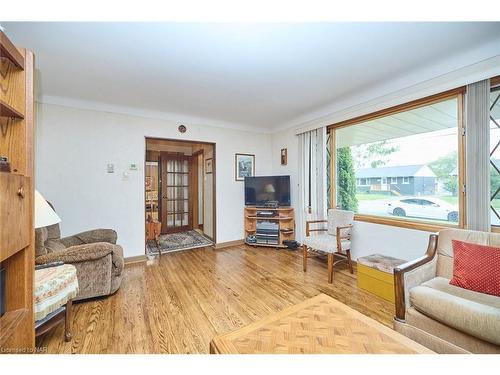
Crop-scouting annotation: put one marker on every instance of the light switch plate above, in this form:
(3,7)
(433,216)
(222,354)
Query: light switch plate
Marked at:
(133,167)
(111,168)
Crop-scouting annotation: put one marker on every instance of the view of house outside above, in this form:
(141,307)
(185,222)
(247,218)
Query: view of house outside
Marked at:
(409,177)
(403,165)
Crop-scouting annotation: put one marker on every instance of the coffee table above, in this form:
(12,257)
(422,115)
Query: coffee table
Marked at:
(319,325)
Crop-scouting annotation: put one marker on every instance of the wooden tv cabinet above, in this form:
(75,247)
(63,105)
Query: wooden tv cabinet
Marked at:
(285,216)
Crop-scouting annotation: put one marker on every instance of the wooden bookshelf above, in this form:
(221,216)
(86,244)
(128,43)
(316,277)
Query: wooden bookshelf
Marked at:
(8,111)
(285,216)
(17,332)
(9,51)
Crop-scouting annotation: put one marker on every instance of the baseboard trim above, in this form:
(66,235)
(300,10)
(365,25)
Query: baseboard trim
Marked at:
(222,245)
(135,259)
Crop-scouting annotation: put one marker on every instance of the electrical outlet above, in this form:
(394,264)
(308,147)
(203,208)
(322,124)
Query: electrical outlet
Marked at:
(111,168)
(133,167)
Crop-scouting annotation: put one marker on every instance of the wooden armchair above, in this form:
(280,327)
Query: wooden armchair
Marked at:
(337,240)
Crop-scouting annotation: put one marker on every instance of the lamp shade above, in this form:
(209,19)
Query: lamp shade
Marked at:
(269,188)
(44,214)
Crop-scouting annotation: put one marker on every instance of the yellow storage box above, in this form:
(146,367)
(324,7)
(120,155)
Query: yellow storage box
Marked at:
(375,274)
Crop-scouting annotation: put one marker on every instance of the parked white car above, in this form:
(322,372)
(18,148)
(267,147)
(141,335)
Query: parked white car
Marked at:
(423,207)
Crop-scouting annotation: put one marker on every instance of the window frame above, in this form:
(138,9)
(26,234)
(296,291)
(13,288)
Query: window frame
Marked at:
(495,82)
(394,181)
(406,181)
(457,93)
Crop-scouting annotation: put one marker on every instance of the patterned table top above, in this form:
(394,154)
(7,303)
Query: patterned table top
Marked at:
(319,325)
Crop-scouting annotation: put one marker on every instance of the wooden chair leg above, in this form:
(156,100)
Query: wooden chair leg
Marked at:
(348,253)
(304,257)
(68,320)
(330,268)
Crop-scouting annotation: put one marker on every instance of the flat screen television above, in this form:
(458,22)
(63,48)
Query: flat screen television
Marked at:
(260,190)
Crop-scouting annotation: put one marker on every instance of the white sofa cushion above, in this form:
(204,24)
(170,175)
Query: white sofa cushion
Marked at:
(471,312)
(326,243)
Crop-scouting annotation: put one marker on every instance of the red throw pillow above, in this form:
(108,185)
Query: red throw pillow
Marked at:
(476,267)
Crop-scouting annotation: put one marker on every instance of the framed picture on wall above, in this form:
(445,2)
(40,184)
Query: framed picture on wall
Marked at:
(244,166)
(284,157)
(208,166)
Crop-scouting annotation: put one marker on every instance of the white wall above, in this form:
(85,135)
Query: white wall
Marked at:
(368,238)
(74,146)
(287,139)
(400,243)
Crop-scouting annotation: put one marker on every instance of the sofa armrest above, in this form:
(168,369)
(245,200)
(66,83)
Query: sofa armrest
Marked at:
(90,236)
(77,254)
(413,273)
(117,259)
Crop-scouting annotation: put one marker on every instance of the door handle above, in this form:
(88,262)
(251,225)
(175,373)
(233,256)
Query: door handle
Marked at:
(20,192)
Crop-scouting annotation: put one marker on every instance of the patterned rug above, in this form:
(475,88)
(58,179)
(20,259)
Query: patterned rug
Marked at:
(178,241)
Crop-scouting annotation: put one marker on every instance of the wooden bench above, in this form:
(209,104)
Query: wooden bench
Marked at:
(376,274)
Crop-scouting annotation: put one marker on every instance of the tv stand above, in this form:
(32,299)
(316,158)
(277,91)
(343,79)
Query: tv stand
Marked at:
(282,223)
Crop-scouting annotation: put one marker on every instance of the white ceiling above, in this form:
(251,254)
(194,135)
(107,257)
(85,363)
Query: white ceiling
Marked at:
(253,75)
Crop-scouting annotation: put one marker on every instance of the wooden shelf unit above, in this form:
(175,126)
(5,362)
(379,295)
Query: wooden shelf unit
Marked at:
(17,237)
(285,216)
(10,52)
(9,111)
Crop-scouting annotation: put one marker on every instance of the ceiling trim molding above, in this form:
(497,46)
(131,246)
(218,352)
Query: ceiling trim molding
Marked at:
(356,105)
(139,112)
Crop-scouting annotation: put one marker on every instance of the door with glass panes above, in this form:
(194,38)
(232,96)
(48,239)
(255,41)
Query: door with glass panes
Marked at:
(176,191)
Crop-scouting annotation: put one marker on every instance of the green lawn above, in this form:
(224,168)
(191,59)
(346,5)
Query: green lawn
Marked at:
(373,197)
(449,199)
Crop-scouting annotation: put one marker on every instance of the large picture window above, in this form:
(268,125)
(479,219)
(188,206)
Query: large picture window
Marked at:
(403,165)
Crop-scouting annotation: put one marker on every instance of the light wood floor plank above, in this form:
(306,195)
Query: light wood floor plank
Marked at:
(179,302)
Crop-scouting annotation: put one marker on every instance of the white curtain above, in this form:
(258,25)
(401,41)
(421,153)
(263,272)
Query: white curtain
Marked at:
(312,179)
(477,122)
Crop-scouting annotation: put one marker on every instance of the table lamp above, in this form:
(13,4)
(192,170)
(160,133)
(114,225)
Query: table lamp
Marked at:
(44,214)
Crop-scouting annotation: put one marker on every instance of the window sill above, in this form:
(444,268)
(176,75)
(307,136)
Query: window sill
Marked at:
(408,224)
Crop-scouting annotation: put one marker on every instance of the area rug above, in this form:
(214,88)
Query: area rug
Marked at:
(178,241)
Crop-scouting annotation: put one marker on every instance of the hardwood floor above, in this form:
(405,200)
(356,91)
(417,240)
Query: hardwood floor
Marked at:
(178,303)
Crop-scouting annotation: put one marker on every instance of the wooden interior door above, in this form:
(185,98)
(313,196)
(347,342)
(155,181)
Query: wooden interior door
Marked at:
(176,193)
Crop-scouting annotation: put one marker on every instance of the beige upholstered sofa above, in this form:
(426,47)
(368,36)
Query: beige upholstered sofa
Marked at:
(440,316)
(98,260)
